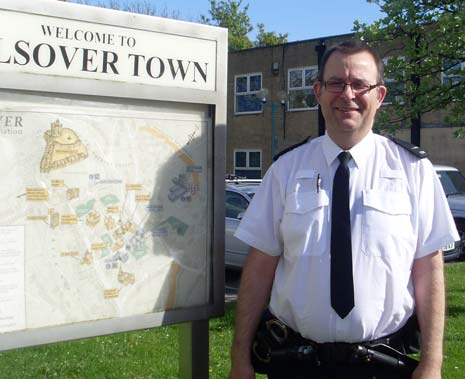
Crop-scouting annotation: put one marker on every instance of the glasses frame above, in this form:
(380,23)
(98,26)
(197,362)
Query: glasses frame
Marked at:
(345,84)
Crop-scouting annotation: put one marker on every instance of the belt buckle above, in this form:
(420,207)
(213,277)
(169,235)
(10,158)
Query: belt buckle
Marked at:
(335,352)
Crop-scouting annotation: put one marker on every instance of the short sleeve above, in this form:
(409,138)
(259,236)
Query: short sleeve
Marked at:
(436,226)
(260,226)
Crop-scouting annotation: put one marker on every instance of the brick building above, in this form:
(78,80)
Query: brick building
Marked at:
(283,76)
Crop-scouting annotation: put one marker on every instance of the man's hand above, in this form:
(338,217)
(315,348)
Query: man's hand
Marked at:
(428,282)
(424,372)
(254,292)
(240,371)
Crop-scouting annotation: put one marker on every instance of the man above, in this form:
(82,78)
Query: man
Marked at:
(398,220)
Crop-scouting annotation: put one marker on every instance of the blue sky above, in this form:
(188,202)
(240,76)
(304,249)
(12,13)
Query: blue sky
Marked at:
(302,19)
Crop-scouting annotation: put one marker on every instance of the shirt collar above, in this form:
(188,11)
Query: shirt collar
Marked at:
(360,152)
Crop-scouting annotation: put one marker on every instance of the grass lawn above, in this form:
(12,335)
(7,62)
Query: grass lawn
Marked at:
(154,353)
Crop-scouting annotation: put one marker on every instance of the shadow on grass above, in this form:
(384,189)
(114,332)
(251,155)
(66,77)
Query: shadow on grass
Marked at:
(455,310)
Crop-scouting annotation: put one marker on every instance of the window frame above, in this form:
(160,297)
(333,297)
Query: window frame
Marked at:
(444,75)
(302,87)
(247,167)
(389,80)
(248,92)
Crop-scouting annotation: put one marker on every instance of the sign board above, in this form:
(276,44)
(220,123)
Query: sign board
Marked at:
(112,129)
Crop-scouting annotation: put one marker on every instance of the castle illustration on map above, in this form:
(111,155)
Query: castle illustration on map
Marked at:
(63,148)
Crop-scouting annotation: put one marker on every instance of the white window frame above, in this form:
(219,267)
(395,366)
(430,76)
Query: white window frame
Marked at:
(388,80)
(444,75)
(247,160)
(248,92)
(302,87)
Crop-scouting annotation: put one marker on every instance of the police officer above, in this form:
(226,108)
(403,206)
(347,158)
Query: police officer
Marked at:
(398,221)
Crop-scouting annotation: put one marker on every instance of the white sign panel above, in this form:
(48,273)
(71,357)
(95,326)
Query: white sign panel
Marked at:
(112,130)
(109,207)
(12,311)
(62,47)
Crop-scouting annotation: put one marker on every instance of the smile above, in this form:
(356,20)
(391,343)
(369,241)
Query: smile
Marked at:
(344,109)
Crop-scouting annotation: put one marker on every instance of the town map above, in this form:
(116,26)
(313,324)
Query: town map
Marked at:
(102,212)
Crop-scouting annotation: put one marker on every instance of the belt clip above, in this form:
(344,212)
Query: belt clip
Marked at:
(278,330)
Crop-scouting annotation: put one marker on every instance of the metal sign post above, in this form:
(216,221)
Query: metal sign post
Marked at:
(193,350)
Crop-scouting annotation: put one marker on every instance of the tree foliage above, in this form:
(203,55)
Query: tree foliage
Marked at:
(265,38)
(233,15)
(426,40)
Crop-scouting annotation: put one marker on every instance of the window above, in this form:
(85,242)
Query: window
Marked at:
(248,163)
(451,72)
(395,89)
(300,88)
(246,90)
(235,204)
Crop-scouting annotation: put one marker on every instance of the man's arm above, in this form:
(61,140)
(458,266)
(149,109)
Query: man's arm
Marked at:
(254,292)
(428,281)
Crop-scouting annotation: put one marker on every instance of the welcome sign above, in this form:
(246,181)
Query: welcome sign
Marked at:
(112,130)
(70,48)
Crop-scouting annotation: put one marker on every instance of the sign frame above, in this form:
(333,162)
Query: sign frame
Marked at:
(31,83)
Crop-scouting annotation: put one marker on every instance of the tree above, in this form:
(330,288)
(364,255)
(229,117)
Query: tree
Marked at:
(426,72)
(264,38)
(230,14)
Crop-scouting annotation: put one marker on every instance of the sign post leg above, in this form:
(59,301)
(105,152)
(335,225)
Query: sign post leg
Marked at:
(193,350)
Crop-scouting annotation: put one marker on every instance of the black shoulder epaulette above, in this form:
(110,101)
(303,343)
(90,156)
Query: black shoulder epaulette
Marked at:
(415,150)
(287,149)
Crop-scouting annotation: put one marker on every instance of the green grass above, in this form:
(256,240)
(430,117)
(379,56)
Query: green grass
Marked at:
(154,353)
(454,354)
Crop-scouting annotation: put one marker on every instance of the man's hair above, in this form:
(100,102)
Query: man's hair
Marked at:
(349,48)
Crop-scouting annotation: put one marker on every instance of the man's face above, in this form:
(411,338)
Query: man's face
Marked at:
(349,116)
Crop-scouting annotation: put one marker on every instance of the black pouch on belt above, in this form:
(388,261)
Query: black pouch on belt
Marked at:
(262,346)
(275,344)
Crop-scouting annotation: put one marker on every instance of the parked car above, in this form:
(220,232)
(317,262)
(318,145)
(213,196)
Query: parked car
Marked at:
(453,182)
(238,195)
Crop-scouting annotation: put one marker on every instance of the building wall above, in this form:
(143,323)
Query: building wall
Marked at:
(254,131)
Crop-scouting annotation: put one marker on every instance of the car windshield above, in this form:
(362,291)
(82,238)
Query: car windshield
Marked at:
(453,182)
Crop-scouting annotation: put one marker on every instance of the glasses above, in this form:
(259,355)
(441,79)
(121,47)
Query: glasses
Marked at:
(337,86)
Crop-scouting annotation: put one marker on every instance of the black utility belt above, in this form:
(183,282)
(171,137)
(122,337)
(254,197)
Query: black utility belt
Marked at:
(275,343)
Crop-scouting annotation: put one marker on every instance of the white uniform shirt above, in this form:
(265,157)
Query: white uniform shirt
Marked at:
(398,213)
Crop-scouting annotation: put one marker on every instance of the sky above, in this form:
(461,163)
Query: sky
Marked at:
(301,19)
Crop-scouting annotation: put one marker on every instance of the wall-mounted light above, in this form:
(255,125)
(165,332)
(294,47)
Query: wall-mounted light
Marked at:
(275,68)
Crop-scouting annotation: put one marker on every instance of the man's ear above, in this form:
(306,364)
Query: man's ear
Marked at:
(317,89)
(382,91)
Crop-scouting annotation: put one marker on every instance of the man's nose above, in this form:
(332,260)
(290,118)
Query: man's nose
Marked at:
(348,91)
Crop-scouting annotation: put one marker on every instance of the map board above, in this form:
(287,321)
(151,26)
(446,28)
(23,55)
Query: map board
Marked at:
(107,206)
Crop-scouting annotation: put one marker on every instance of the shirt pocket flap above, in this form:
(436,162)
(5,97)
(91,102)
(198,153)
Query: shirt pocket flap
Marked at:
(303,202)
(305,174)
(394,203)
(391,173)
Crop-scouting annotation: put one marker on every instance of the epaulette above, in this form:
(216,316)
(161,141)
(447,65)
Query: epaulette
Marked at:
(287,149)
(415,150)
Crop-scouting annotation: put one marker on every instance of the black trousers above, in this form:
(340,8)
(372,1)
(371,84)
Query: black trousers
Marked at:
(338,373)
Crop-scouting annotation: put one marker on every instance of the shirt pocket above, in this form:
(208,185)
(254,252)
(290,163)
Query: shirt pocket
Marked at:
(305,223)
(386,223)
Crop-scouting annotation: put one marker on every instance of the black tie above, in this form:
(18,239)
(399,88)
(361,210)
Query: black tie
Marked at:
(342,285)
